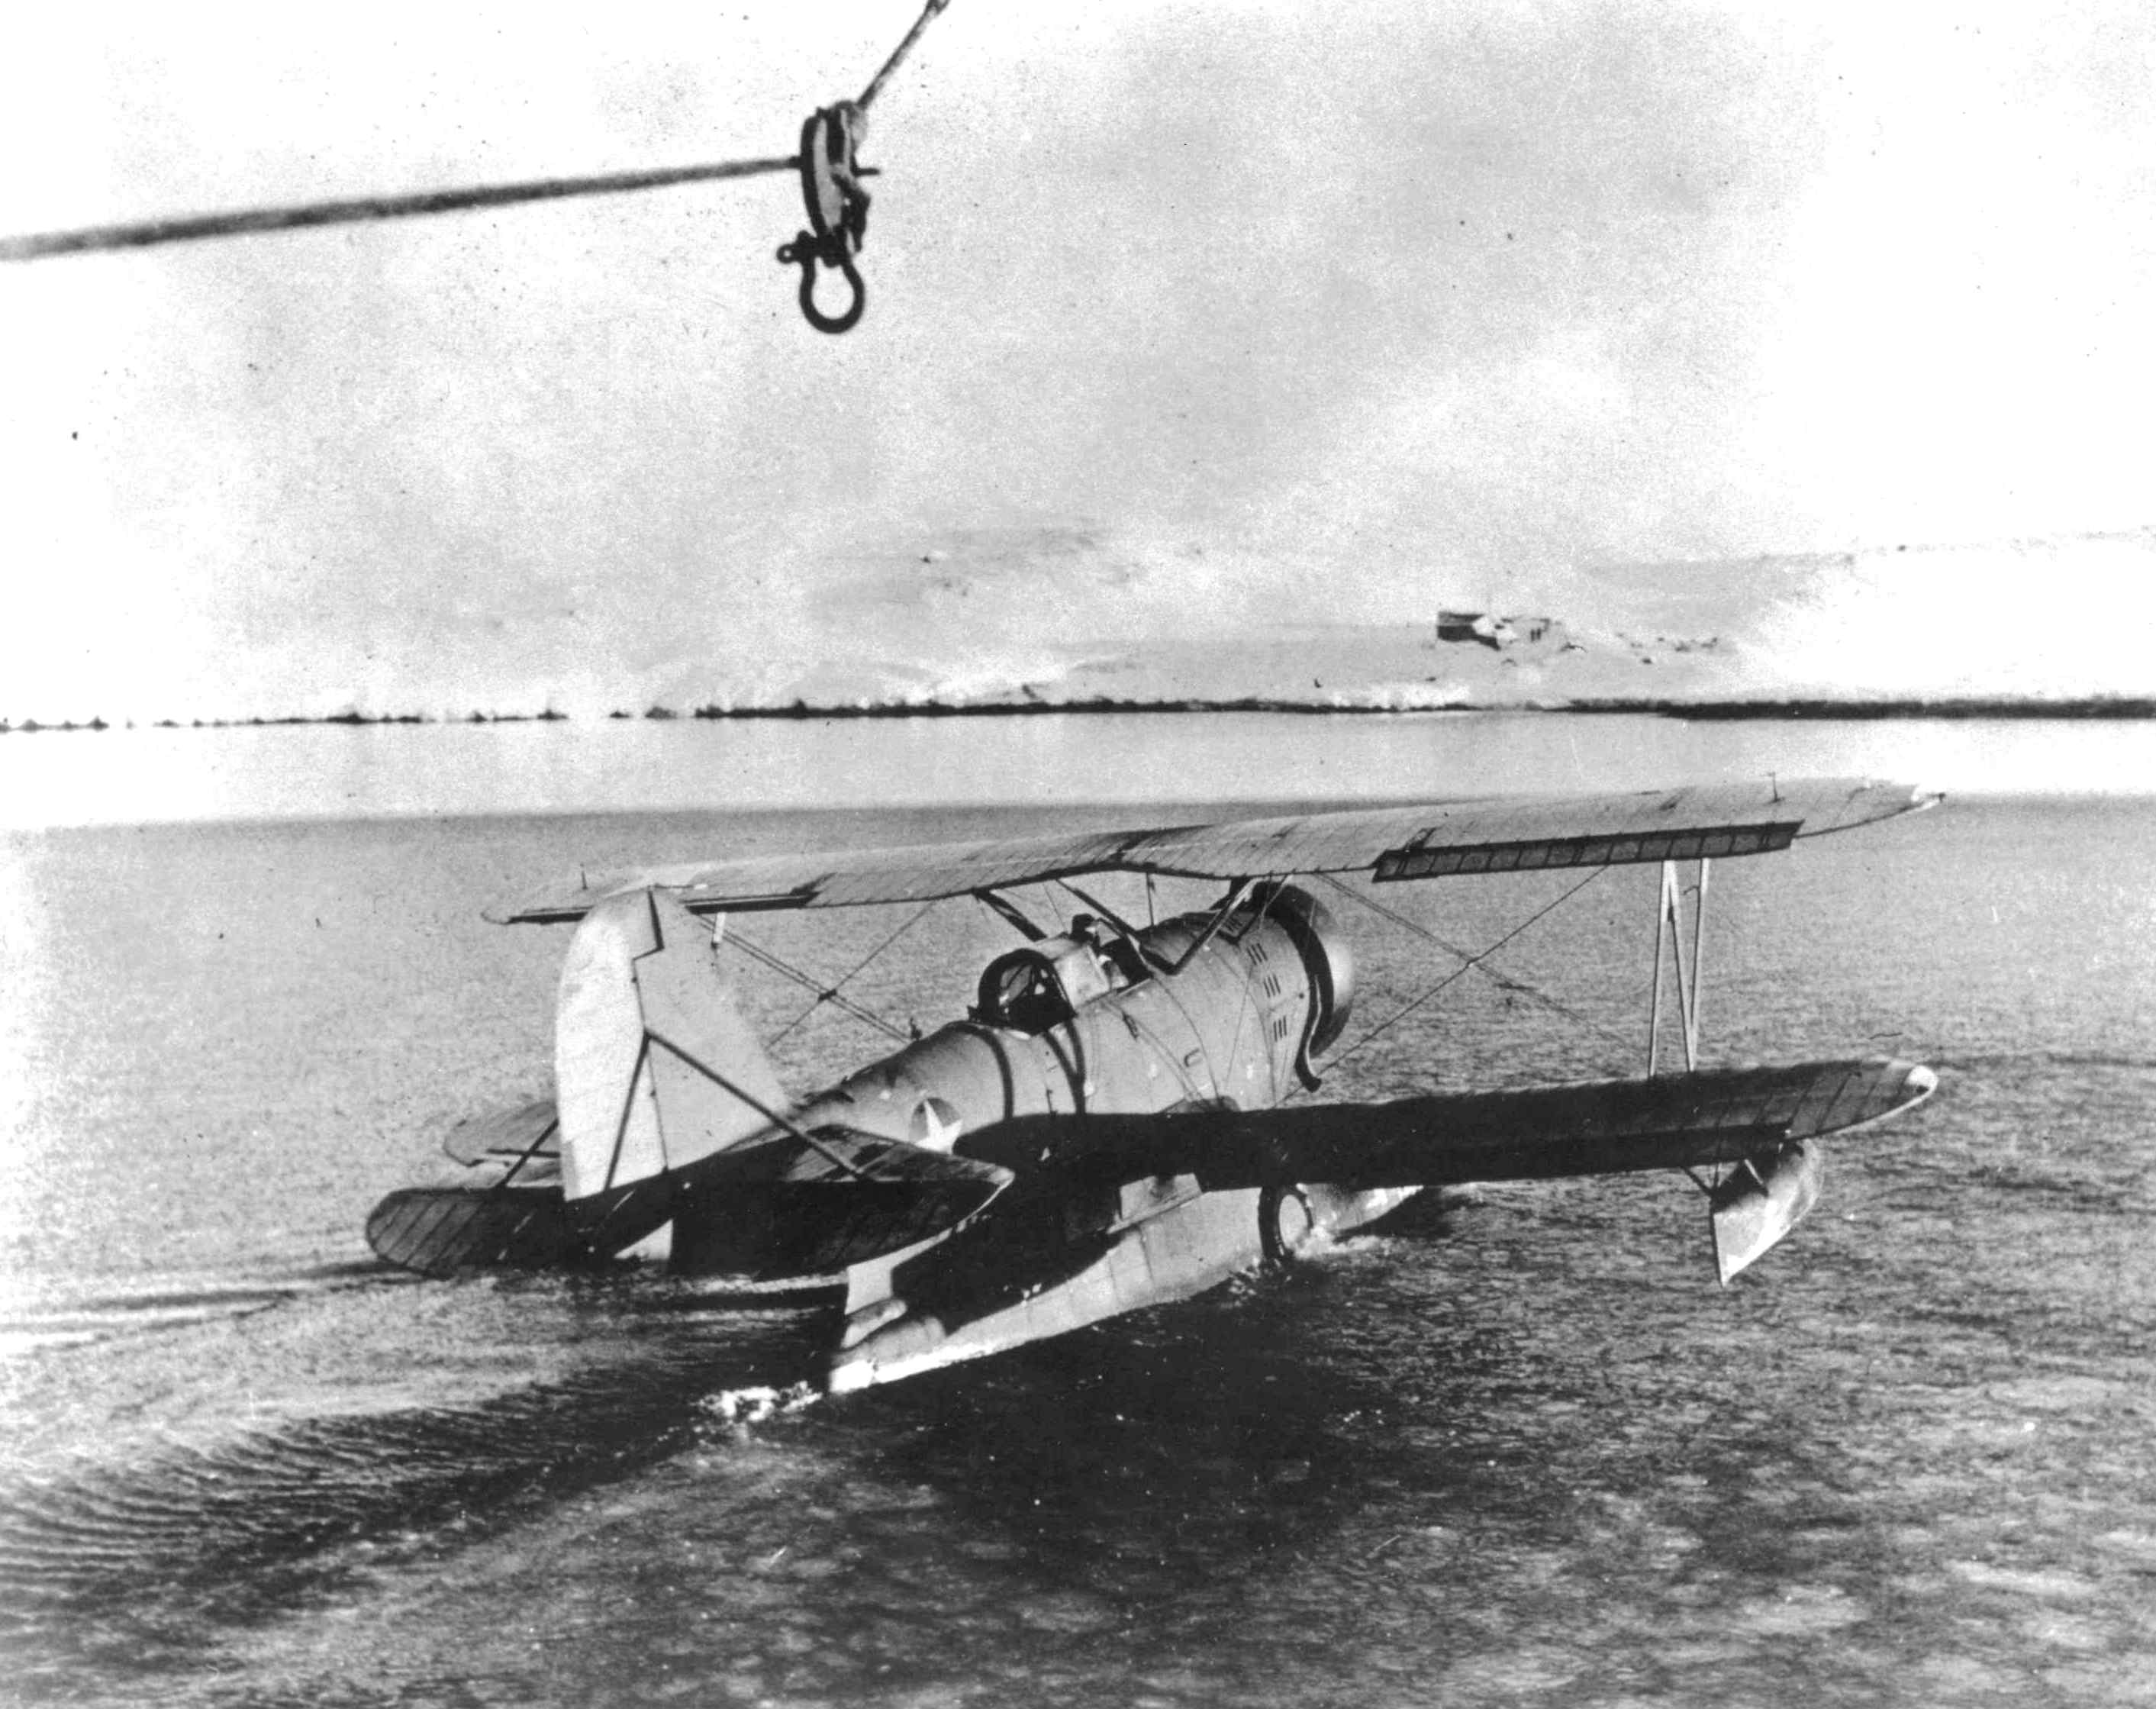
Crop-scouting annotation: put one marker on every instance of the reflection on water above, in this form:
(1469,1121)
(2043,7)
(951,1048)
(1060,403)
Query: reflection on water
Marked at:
(1515,1446)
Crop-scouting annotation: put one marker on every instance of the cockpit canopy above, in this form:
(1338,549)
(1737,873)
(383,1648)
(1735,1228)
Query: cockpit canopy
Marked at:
(1044,984)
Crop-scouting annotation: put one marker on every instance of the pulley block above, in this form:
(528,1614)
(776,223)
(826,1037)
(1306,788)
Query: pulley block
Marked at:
(838,209)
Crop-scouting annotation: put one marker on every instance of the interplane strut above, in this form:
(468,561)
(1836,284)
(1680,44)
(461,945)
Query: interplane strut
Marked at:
(1669,946)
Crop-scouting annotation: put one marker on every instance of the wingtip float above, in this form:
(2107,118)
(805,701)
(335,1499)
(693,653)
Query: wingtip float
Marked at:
(1110,1125)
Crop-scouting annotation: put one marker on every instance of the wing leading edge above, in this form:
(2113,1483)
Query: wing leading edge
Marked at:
(1515,833)
(1766,1122)
(1539,1133)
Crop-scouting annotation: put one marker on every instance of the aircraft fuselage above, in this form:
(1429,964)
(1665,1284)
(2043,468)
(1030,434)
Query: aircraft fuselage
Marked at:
(1092,1024)
(1097,1023)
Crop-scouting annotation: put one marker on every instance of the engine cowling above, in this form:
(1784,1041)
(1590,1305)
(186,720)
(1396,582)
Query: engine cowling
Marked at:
(1327,960)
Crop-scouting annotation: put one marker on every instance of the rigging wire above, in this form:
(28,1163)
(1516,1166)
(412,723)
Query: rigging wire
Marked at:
(809,982)
(1460,972)
(833,994)
(1504,982)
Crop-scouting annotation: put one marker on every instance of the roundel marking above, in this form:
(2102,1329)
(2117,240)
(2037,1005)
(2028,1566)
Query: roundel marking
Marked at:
(935,1125)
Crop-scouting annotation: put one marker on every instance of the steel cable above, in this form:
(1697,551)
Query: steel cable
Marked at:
(187,228)
(138,234)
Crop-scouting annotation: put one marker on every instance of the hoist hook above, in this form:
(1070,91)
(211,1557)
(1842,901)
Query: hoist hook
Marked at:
(838,207)
(803,251)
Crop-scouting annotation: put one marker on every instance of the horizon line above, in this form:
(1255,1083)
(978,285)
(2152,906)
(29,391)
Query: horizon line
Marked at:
(2124,706)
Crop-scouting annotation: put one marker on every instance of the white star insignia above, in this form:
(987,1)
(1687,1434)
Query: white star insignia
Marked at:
(936,1124)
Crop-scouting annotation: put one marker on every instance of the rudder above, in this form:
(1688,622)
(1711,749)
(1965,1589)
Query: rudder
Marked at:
(655,1067)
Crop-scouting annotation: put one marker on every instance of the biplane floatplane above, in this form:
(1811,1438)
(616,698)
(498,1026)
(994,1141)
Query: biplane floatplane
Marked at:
(1107,1128)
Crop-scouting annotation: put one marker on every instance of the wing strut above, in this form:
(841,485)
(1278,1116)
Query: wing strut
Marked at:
(1010,911)
(1670,932)
(1228,904)
(1769,1191)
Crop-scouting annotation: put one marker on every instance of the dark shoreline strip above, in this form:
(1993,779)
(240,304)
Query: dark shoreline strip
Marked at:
(2120,709)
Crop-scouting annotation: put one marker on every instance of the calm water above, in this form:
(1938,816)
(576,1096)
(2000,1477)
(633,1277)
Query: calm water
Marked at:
(1515,1447)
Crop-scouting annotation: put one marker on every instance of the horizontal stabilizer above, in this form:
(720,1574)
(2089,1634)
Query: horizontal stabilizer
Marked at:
(527,1131)
(443,1231)
(787,1208)
(838,1156)
(1600,1127)
(505,1212)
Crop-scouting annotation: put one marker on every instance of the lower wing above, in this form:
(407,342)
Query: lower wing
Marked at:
(1765,1122)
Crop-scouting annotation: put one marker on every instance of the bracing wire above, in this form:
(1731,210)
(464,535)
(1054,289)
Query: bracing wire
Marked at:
(809,982)
(1510,983)
(835,995)
(1466,967)
(140,234)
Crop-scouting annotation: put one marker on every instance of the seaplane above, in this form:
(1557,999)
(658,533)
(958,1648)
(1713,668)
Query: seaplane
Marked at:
(1124,1117)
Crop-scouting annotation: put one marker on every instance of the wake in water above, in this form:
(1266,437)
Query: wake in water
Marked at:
(138,1562)
(167,1303)
(741,1407)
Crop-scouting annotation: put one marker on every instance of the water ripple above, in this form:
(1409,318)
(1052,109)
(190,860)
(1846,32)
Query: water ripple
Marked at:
(118,1563)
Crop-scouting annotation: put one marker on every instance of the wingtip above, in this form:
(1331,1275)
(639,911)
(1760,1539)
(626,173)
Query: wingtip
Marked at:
(1889,798)
(1903,1084)
(1910,798)
(560,908)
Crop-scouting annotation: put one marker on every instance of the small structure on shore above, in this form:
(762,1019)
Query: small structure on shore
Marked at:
(1499,634)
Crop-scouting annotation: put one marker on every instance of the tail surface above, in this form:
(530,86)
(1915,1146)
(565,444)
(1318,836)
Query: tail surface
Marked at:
(654,1068)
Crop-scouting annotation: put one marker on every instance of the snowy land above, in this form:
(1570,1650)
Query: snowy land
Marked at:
(1077,618)
(1023,619)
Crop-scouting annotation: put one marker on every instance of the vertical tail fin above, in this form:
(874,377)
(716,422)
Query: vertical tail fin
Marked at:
(655,1067)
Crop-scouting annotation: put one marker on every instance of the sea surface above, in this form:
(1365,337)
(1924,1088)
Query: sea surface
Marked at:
(1514,1446)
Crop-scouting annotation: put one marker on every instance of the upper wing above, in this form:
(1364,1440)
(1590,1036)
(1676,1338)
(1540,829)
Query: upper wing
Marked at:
(1429,840)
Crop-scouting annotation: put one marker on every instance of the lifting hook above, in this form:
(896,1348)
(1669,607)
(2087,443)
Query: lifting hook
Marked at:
(838,209)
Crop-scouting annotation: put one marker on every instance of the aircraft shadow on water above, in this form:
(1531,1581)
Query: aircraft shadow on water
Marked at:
(1113,1125)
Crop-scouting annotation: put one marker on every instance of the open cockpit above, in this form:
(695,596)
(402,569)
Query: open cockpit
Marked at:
(1045,983)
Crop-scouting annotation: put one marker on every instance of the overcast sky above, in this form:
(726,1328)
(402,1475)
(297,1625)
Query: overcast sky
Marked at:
(1276,310)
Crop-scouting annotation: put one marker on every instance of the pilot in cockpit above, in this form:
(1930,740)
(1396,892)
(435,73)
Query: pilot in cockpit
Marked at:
(1114,954)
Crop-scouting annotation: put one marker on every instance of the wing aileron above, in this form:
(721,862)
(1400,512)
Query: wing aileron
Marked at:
(1394,844)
